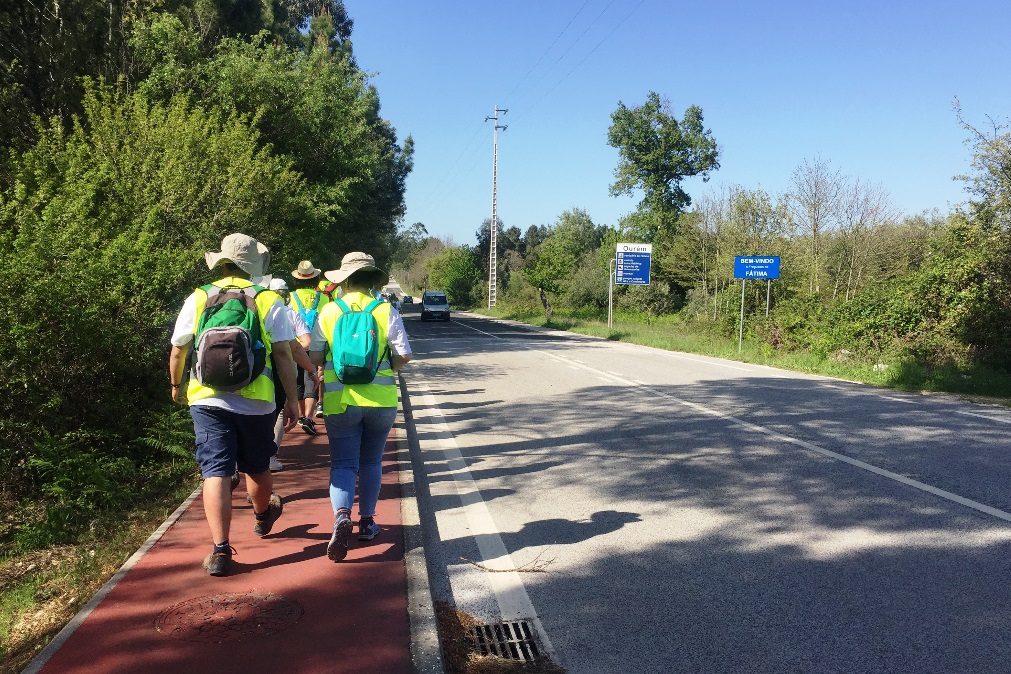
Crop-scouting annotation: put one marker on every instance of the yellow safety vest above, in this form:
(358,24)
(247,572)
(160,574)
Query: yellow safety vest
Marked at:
(382,392)
(307,296)
(262,388)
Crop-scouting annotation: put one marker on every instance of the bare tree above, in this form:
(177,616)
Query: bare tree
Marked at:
(814,199)
(863,207)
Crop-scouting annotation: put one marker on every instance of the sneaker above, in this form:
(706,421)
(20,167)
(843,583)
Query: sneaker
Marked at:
(235,480)
(275,464)
(264,523)
(319,411)
(337,548)
(218,563)
(368,529)
(308,425)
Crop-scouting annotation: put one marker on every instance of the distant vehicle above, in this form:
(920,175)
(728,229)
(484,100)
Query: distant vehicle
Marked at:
(434,305)
(408,299)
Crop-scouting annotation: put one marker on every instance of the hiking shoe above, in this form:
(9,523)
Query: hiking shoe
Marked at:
(275,464)
(308,425)
(265,521)
(368,529)
(337,548)
(319,411)
(218,563)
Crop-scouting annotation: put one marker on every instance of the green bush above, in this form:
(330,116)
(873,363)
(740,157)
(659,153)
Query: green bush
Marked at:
(102,235)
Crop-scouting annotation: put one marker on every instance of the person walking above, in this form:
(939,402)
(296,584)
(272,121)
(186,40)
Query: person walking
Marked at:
(358,416)
(237,330)
(308,301)
(300,355)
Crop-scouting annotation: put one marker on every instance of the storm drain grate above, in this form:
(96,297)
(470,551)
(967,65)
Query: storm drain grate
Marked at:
(511,640)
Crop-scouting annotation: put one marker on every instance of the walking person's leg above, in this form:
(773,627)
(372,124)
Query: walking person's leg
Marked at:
(217,441)
(306,387)
(344,433)
(376,426)
(256,447)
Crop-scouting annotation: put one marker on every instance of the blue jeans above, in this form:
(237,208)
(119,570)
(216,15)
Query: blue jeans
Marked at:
(357,439)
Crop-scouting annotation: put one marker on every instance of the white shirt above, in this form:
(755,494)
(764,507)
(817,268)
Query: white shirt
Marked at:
(298,323)
(279,328)
(396,335)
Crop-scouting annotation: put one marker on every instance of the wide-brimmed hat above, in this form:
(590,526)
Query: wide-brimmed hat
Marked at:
(278,284)
(305,271)
(244,251)
(353,262)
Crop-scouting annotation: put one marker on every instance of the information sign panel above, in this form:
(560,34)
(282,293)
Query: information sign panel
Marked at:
(756,267)
(632,263)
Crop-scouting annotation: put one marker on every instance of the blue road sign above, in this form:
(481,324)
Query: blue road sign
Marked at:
(756,267)
(632,263)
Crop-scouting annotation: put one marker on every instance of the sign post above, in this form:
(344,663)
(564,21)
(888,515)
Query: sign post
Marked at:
(755,267)
(610,294)
(631,266)
(632,263)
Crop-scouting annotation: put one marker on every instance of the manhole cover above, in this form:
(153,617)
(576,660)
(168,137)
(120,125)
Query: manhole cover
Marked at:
(228,617)
(512,640)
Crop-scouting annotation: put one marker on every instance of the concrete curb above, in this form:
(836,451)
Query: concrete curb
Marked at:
(426,651)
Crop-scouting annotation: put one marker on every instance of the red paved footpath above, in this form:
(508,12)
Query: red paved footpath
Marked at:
(284,608)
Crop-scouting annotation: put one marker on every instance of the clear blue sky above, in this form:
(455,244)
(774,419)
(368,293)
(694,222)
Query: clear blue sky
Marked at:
(866,85)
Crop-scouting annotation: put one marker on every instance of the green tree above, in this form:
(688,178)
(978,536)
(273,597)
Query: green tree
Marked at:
(657,152)
(455,270)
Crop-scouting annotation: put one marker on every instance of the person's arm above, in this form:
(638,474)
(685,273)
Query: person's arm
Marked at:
(304,340)
(177,371)
(285,366)
(299,355)
(399,345)
(398,362)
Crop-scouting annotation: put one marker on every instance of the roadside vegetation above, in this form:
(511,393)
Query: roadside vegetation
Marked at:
(133,137)
(915,301)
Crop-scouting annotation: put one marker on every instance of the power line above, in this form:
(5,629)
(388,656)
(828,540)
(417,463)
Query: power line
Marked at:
(550,47)
(584,59)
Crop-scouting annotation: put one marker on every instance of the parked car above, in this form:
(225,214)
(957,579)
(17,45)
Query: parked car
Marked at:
(434,305)
(408,299)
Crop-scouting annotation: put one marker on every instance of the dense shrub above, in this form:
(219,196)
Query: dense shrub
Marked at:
(102,233)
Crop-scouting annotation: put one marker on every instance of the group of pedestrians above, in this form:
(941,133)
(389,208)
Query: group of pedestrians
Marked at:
(253,359)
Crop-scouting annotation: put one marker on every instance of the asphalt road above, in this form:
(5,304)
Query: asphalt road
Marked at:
(659,512)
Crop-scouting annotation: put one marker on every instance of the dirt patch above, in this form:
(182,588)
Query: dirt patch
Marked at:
(460,653)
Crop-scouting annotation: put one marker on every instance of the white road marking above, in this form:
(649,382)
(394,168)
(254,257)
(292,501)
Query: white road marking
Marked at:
(510,593)
(810,446)
(898,400)
(983,416)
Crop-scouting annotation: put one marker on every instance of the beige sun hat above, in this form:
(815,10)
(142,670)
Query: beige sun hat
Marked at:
(351,263)
(306,271)
(247,253)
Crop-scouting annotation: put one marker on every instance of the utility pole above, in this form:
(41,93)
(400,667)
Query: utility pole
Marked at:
(493,239)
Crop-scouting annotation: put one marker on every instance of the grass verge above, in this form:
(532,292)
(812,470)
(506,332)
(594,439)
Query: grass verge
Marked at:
(41,590)
(896,372)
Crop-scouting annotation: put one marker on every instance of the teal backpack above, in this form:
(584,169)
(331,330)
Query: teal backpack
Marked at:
(356,348)
(308,315)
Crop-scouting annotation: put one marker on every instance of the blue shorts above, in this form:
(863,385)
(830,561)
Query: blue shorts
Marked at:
(226,440)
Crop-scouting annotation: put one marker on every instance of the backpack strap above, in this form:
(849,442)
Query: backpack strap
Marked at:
(343,306)
(298,303)
(372,306)
(315,300)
